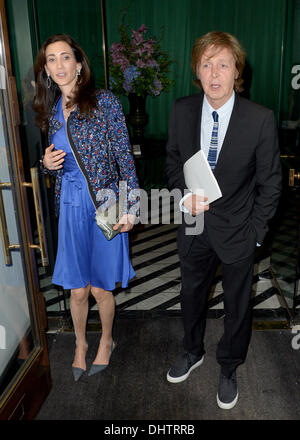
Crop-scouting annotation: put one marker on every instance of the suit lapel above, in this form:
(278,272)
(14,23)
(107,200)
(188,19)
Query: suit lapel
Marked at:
(195,124)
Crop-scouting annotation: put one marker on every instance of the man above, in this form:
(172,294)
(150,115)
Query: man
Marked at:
(239,139)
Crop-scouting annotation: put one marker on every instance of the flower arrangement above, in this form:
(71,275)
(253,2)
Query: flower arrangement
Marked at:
(138,65)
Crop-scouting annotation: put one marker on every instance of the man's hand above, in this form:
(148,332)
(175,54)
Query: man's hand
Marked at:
(53,159)
(127,220)
(196,204)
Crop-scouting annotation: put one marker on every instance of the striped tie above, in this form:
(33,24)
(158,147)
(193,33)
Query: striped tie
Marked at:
(212,153)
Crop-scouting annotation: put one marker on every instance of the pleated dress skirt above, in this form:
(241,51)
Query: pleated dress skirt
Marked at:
(84,255)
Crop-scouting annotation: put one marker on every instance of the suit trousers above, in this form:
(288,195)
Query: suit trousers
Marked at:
(198,269)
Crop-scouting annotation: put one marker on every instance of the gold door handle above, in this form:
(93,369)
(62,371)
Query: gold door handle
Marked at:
(293,176)
(39,216)
(6,246)
(3,229)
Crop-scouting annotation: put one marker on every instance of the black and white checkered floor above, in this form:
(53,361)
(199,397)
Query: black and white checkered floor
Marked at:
(157,283)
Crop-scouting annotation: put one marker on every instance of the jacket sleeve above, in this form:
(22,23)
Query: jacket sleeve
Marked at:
(45,170)
(121,149)
(268,177)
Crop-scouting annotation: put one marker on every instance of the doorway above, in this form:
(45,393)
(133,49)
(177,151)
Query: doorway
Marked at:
(30,23)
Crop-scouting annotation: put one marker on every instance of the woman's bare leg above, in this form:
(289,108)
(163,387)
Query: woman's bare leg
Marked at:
(106,305)
(79,306)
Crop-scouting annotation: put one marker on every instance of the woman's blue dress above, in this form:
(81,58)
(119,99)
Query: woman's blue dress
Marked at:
(84,255)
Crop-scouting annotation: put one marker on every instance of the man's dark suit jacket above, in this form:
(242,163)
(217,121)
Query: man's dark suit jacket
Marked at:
(248,172)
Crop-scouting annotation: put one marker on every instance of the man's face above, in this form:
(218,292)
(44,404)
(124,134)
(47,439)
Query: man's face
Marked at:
(216,70)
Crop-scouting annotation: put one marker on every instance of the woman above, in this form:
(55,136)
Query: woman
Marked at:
(81,123)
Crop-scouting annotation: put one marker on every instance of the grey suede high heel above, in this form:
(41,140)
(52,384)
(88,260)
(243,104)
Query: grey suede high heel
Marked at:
(97,368)
(77,373)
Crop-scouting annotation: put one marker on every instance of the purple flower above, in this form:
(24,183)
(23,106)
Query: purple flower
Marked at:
(140,51)
(116,47)
(135,63)
(140,63)
(152,63)
(127,86)
(142,28)
(157,87)
(148,47)
(117,56)
(137,37)
(131,73)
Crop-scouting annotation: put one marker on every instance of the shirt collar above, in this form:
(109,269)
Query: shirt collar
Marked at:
(226,108)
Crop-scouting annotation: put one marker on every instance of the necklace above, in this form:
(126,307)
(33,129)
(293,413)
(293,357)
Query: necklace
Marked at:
(67,111)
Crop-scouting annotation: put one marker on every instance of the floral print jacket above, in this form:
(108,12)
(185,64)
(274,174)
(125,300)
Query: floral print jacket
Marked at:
(89,139)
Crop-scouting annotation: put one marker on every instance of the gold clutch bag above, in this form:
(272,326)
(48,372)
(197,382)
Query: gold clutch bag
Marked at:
(107,219)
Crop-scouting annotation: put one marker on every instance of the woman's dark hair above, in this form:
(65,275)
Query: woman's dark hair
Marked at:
(84,94)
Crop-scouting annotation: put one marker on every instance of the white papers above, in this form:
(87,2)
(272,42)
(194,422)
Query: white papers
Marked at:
(199,176)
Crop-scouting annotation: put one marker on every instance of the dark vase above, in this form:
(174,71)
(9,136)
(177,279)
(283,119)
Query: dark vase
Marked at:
(137,117)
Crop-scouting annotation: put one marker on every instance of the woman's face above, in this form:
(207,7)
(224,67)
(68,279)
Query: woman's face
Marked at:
(61,64)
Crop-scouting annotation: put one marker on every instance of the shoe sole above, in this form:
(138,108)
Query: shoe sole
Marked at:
(229,405)
(185,376)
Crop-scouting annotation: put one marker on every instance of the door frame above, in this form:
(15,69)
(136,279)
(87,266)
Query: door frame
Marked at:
(25,394)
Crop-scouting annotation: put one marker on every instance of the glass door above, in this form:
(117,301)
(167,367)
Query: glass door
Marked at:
(23,353)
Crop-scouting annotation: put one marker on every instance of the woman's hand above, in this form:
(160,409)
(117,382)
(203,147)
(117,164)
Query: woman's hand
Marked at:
(53,159)
(127,220)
